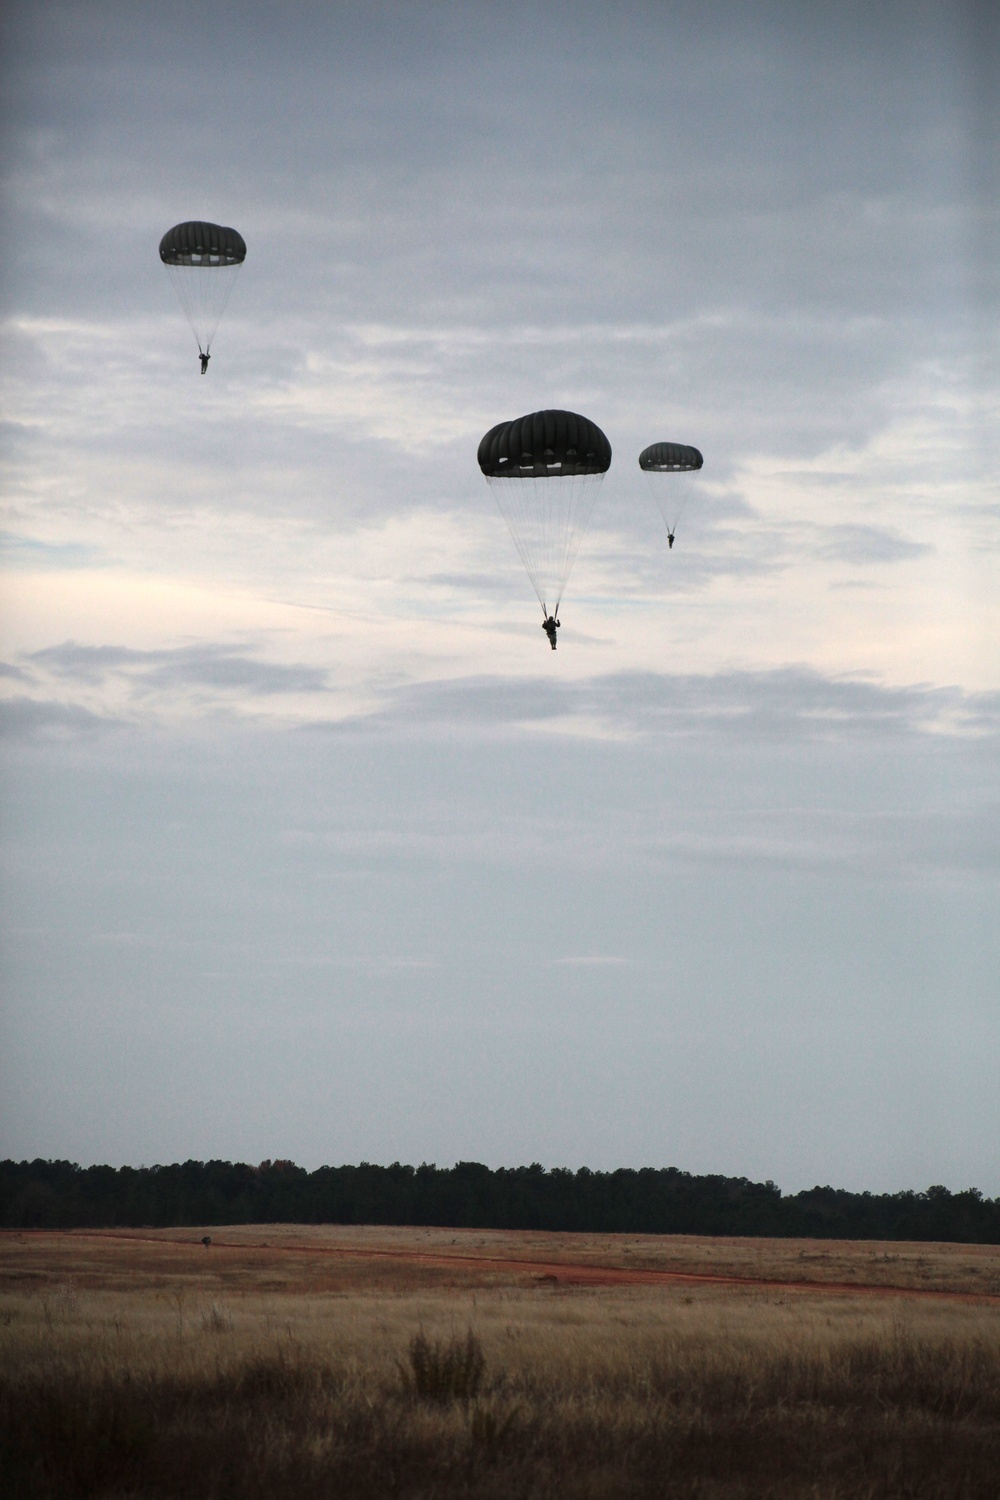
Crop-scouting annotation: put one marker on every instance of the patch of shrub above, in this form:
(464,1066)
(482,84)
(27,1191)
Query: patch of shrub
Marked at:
(445,1370)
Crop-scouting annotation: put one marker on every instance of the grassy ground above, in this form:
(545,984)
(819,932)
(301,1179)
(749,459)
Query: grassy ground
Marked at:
(131,1369)
(288,1257)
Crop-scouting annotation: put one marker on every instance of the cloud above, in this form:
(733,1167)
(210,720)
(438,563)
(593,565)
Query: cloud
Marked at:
(32,552)
(22,718)
(790,704)
(868,544)
(14,673)
(208,666)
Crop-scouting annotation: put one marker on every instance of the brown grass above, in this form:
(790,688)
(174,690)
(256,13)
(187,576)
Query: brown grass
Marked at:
(304,1258)
(132,1368)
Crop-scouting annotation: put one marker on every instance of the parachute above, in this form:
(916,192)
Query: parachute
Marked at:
(545,469)
(671,494)
(204,261)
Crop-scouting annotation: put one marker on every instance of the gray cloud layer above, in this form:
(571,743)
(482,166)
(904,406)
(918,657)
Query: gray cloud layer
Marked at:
(791,704)
(622,213)
(742,918)
(209,666)
(787,704)
(692,941)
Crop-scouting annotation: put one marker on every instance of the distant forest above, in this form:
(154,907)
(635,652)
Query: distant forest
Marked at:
(60,1195)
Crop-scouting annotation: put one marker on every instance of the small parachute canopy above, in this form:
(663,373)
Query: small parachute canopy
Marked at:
(196,243)
(544,470)
(545,444)
(669,458)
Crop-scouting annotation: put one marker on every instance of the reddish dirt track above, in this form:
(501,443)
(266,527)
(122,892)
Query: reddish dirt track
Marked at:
(562,1273)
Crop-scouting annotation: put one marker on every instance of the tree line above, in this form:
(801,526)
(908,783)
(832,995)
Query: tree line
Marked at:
(61,1195)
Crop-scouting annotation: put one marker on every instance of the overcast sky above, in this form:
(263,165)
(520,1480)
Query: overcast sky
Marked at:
(312,848)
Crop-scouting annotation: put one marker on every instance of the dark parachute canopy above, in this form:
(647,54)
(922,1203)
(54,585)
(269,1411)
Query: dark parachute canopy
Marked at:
(669,458)
(670,493)
(203,261)
(544,469)
(545,444)
(196,243)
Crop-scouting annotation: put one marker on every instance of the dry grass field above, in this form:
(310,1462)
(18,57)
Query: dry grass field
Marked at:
(336,1362)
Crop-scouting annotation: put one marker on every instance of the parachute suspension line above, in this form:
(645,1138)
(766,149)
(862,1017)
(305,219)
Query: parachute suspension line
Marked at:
(230,281)
(203,293)
(547,516)
(671,493)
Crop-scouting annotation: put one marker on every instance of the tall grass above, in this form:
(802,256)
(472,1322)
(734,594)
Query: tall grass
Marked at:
(445,1370)
(588,1396)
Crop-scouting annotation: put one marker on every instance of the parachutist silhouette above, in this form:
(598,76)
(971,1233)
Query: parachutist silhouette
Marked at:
(667,465)
(544,470)
(204,261)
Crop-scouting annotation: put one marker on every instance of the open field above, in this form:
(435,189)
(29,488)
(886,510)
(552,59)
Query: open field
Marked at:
(281,1362)
(297,1258)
